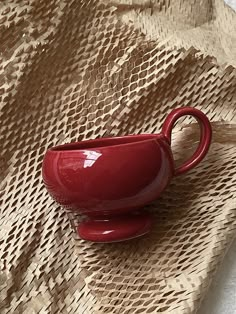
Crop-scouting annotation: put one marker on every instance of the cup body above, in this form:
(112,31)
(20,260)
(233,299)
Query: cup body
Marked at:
(109,180)
(108,175)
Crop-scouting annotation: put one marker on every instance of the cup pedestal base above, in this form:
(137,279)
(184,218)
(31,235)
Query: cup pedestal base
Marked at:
(114,228)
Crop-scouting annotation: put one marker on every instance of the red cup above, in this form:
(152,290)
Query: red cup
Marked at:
(109,180)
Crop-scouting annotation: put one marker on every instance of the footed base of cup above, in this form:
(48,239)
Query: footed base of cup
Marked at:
(107,229)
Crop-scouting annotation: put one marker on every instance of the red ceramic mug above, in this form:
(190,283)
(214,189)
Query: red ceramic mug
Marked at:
(109,180)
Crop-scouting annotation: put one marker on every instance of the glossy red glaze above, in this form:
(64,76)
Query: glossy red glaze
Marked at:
(117,228)
(106,177)
(205,137)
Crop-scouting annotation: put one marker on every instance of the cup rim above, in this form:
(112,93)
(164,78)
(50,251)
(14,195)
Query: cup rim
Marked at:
(105,142)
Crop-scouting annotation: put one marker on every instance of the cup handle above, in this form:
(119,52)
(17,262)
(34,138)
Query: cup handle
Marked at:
(205,137)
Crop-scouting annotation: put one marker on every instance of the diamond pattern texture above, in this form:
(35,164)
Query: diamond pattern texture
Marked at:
(73,70)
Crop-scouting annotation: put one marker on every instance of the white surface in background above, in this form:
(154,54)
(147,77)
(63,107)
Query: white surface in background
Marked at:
(231,3)
(221,298)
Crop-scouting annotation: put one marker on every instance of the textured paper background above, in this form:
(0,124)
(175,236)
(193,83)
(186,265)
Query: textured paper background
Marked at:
(71,70)
(221,297)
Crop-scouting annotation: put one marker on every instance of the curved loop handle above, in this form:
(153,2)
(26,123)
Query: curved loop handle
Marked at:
(205,137)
